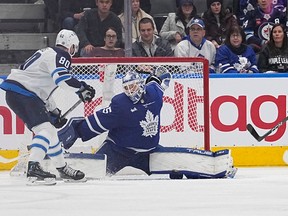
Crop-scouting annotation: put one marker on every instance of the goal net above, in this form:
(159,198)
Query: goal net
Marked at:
(185,112)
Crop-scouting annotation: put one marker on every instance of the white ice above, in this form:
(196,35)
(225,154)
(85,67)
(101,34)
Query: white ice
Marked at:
(253,192)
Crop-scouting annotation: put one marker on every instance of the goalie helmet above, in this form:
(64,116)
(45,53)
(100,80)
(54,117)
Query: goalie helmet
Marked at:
(69,40)
(133,86)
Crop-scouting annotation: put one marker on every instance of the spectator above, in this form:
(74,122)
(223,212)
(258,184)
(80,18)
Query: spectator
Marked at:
(91,27)
(258,23)
(150,45)
(71,11)
(195,44)
(274,56)
(175,26)
(109,49)
(137,15)
(235,56)
(243,6)
(217,22)
(118,6)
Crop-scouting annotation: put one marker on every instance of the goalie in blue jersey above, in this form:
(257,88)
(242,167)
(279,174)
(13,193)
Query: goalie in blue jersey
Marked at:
(133,123)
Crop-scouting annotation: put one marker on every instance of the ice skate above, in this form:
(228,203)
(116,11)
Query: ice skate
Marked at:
(69,174)
(37,176)
(231,172)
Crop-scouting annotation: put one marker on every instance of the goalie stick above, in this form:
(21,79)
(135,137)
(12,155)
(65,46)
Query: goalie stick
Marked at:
(259,138)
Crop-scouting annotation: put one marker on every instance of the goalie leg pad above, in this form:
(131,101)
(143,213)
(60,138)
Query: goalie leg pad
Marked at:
(193,163)
(68,135)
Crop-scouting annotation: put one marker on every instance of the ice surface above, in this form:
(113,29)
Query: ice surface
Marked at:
(253,192)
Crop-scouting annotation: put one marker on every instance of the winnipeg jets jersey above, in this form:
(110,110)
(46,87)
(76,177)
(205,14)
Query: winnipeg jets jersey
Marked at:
(257,24)
(42,73)
(134,126)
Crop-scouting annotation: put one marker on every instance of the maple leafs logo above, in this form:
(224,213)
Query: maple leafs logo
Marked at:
(150,126)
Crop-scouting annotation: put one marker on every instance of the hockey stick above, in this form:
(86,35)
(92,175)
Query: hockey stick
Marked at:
(71,108)
(259,138)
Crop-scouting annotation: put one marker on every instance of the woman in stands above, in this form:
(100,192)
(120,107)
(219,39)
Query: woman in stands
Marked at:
(217,21)
(175,26)
(109,49)
(235,56)
(274,56)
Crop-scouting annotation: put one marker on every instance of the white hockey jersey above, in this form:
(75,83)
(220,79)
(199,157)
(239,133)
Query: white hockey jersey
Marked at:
(186,48)
(44,71)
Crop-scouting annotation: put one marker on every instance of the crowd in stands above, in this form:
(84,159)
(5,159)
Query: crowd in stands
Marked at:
(251,39)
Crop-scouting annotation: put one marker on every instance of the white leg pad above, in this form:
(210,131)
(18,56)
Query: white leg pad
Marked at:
(191,162)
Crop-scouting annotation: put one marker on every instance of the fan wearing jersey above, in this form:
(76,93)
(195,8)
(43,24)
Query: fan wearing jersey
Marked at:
(133,123)
(28,91)
(257,24)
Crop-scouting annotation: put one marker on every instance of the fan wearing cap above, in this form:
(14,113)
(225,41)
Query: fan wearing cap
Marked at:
(217,21)
(196,45)
(175,25)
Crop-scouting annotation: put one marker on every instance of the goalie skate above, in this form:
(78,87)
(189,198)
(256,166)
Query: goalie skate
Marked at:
(37,176)
(69,174)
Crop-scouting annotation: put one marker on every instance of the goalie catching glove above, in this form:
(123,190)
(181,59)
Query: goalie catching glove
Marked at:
(86,93)
(162,79)
(56,118)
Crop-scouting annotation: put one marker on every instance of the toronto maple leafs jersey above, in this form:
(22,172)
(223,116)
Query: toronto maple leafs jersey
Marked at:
(257,24)
(134,126)
(41,74)
(230,62)
(186,48)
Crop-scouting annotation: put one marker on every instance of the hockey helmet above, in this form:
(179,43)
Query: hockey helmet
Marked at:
(68,39)
(133,86)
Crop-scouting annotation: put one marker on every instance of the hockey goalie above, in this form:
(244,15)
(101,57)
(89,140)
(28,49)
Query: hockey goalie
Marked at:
(133,123)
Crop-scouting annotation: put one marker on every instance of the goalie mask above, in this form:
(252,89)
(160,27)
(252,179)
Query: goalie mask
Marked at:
(133,86)
(69,40)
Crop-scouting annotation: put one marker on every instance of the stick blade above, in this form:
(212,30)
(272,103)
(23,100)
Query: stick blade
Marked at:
(253,132)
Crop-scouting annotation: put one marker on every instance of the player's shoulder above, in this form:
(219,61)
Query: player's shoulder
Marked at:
(121,100)
(154,88)
(60,52)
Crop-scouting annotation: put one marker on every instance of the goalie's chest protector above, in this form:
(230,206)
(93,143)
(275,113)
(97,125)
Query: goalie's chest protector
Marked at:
(140,122)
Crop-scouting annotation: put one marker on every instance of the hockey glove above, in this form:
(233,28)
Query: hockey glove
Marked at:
(153,78)
(56,119)
(86,93)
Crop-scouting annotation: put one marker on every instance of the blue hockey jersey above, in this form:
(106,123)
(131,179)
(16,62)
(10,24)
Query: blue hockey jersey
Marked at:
(257,24)
(135,126)
(230,62)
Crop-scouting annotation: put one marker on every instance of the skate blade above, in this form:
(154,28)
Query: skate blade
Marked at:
(75,181)
(232,173)
(34,181)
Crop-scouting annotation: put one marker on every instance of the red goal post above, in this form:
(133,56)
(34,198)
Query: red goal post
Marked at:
(185,114)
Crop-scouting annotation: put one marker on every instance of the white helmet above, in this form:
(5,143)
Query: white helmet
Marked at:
(133,86)
(68,39)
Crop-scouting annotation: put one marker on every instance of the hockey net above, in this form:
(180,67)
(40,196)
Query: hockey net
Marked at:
(185,112)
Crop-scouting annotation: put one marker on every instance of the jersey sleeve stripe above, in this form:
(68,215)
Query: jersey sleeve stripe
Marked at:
(62,78)
(57,70)
(91,127)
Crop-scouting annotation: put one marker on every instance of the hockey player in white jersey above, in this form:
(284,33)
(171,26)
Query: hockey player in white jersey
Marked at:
(28,92)
(133,124)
